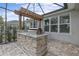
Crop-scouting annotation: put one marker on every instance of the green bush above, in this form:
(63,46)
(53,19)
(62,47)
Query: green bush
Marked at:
(14,36)
(9,34)
(1,34)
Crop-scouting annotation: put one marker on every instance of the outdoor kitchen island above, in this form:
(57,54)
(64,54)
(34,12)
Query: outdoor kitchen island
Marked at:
(33,41)
(33,44)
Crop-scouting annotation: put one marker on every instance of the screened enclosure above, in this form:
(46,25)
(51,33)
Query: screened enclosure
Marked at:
(9,21)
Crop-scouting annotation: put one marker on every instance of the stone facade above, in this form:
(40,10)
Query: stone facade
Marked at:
(33,46)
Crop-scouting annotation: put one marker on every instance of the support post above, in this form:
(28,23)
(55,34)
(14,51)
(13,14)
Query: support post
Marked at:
(40,24)
(20,22)
(23,22)
(39,31)
(5,24)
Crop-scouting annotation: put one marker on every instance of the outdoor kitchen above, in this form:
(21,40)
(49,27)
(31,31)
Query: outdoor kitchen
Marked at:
(35,39)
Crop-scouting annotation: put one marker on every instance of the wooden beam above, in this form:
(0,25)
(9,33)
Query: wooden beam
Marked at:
(23,21)
(20,22)
(27,13)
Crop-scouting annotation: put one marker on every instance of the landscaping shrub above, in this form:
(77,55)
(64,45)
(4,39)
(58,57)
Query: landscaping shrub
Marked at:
(9,35)
(1,34)
(14,34)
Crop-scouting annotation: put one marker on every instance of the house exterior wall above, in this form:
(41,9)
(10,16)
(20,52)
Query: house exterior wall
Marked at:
(75,27)
(73,36)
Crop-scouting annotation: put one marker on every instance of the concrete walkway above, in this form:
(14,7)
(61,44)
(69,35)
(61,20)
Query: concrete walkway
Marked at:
(55,48)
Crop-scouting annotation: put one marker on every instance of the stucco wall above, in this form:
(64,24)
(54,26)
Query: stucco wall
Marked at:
(73,36)
(75,27)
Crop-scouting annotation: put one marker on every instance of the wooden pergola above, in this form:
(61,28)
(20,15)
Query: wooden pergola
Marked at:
(27,13)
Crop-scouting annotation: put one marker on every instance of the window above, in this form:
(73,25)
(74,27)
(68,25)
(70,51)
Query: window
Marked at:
(65,24)
(54,24)
(54,28)
(33,24)
(46,25)
(60,25)
(64,19)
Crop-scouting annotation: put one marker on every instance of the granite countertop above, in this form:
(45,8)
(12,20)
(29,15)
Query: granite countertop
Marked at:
(32,35)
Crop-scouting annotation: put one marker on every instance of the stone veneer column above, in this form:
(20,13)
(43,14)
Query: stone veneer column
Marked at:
(41,48)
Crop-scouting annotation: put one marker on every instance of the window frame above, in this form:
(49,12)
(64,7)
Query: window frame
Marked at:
(53,24)
(46,25)
(65,23)
(58,16)
(32,24)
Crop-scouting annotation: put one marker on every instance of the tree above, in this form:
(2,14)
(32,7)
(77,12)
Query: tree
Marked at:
(1,21)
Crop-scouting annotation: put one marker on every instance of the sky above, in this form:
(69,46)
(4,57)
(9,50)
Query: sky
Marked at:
(47,7)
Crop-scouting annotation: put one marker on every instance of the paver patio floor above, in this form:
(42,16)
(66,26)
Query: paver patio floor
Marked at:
(55,48)
(11,49)
(59,48)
